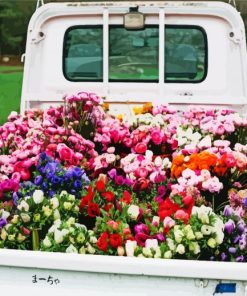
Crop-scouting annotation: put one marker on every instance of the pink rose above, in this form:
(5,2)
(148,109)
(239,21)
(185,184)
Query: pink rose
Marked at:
(181,215)
(65,153)
(156,137)
(141,172)
(140,148)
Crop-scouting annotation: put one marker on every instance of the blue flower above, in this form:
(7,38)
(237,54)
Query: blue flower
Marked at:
(77,172)
(44,186)
(51,193)
(68,175)
(38,180)
(56,180)
(77,184)
(51,167)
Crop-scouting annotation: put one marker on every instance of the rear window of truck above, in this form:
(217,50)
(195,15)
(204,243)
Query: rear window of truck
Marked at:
(134,54)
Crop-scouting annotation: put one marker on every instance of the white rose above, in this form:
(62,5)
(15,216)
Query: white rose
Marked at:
(58,236)
(3,234)
(56,215)
(4,214)
(151,243)
(212,243)
(194,247)
(133,212)
(198,235)
(54,202)
(168,255)
(156,219)
(158,161)
(23,206)
(71,221)
(71,249)
(38,196)
(170,244)
(90,249)
(82,250)
(147,252)
(130,247)
(178,234)
(180,249)
(157,253)
(64,192)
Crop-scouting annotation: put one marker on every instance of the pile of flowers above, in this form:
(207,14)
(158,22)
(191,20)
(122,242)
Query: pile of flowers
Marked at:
(156,183)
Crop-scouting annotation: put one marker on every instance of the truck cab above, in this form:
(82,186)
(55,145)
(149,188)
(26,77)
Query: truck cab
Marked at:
(181,53)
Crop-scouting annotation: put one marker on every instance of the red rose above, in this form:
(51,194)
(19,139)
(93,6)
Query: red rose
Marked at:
(83,202)
(102,242)
(140,148)
(93,210)
(100,186)
(90,193)
(108,195)
(167,208)
(115,240)
(107,207)
(126,197)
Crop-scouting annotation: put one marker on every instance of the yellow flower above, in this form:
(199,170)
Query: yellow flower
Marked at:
(137,110)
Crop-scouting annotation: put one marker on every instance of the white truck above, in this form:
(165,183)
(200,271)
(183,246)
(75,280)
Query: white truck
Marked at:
(130,52)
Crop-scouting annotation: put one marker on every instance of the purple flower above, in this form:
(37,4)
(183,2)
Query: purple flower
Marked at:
(15,198)
(241,226)
(240,258)
(245,202)
(142,228)
(141,239)
(229,226)
(232,250)
(242,242)
(3,222)
(128,182)
(160,237)
(223,256)
(112,173)
(236,239)
(228,211)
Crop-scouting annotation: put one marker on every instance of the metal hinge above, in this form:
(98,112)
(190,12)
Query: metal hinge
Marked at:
(39,3)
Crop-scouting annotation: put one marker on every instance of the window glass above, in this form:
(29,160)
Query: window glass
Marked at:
(134,54)
(83,54)
(185,54)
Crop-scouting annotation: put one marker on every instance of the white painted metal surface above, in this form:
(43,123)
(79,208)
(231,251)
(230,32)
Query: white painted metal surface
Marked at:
(225,84)
(44,84)
(96,275)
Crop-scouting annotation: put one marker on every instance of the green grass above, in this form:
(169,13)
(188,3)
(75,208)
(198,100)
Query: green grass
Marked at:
(10,90)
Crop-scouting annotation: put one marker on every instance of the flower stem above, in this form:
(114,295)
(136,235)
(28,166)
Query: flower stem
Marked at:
(35,239)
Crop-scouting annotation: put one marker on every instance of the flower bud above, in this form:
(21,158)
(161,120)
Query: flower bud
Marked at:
(71,249)
(47,243)
(25,217)
(120,251)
